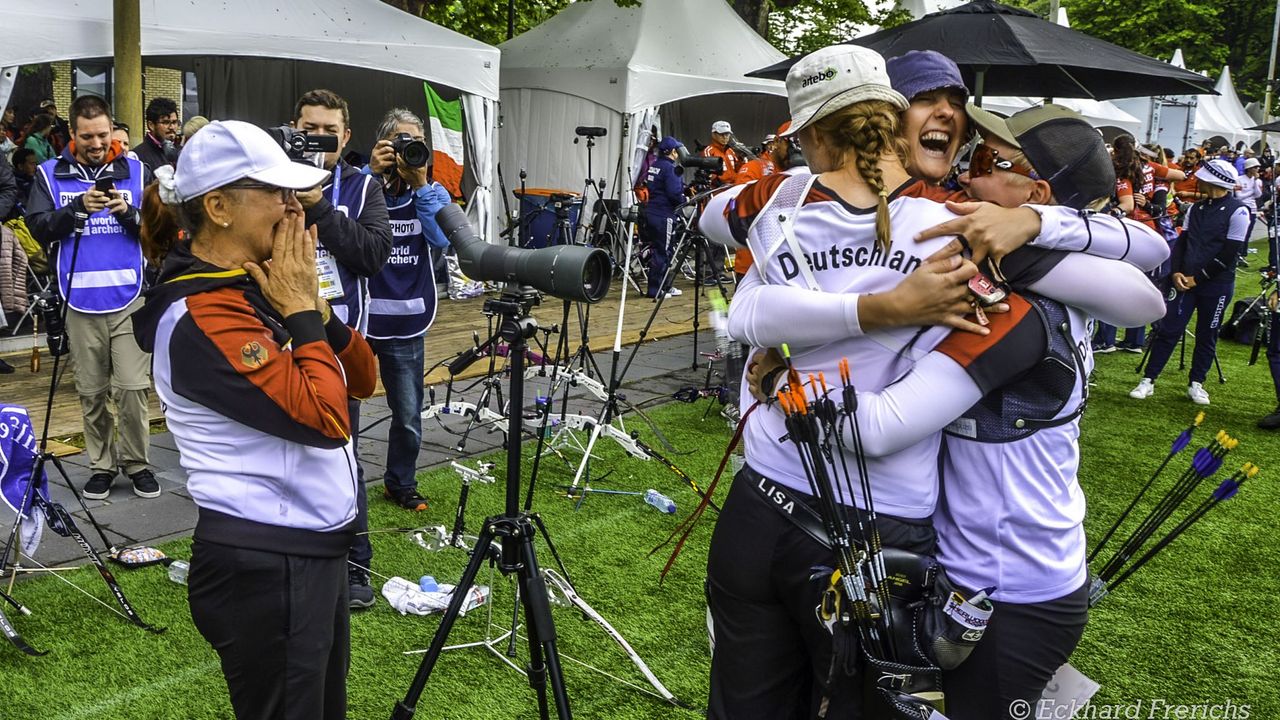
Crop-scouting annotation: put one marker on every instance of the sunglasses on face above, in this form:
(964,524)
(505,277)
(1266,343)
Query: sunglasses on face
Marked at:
(985,160)
(286,194)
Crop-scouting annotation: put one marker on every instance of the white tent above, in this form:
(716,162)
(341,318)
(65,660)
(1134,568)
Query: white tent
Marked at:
(1223,114)
(365,34)
(1186,120)
(678,64)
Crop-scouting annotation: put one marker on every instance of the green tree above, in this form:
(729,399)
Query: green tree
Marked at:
(801,26)
(483,21)
(1210,33)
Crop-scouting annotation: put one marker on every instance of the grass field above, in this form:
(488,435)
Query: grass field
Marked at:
(1197,627)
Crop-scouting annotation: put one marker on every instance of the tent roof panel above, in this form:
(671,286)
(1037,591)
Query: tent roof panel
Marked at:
(360,33)
(636,57)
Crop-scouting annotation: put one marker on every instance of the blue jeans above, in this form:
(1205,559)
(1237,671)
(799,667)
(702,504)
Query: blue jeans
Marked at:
(400,363)
(1208,301)
(361,552)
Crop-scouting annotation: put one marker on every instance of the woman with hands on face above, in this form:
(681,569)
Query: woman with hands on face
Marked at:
(254,374)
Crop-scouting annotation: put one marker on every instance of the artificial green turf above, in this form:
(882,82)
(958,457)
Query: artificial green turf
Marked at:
(1196,627)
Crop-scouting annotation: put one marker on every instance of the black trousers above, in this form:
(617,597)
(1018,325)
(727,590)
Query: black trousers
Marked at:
(1023,647)
(279,624)
(772,657)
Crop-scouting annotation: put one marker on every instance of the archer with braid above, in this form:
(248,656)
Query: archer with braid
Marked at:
(850,235)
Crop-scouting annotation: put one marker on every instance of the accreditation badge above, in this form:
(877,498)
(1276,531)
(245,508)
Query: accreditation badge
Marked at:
(327,271)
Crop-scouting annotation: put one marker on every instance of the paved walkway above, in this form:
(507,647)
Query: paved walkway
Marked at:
(660,368)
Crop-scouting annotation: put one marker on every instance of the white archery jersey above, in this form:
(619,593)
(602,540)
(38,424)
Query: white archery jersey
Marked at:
(1011,513)
(838,244)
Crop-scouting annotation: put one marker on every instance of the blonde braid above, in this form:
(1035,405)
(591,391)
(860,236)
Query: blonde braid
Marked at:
(867,130)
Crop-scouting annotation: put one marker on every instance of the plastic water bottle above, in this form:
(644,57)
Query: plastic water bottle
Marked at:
(426,583)
(660,501)
(178,571)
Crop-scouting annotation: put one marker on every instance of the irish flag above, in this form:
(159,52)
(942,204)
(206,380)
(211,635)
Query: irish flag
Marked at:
(446,140)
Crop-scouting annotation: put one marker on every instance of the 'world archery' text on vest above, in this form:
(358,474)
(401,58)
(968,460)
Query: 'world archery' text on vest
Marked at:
(402,296)
(108,267)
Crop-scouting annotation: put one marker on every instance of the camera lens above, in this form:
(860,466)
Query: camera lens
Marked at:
(415,154)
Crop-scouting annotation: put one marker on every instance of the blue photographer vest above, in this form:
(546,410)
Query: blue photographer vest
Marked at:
(108,266)
(402,296)
(348,198)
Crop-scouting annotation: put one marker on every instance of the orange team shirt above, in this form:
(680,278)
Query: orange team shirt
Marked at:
(731,161)
(752,170)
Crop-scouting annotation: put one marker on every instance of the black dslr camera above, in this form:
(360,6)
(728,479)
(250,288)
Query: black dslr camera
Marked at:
(414,153)
(298,144)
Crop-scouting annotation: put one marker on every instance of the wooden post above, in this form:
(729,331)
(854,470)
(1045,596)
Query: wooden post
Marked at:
(126,29)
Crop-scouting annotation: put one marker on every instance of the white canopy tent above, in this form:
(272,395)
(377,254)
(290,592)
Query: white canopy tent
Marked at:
(1223,114)
(364,34)
(676,64)
(1186,120)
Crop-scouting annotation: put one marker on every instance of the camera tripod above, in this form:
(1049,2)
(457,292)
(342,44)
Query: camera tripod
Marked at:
(515,531)
(689,240)
(60,519)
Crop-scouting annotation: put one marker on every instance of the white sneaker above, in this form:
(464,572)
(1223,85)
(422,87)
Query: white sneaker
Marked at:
(674,292)
(1198,394)
(1145,389)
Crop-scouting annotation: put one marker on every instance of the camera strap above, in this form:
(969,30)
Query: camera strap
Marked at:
(775,224)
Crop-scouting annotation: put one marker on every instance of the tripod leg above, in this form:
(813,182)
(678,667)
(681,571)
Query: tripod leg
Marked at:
(405,709)
(460,518)
(697,293)
(544,660)
(644,331)
(1182,352)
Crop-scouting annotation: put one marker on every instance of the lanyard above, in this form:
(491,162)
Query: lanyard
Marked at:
(337,182)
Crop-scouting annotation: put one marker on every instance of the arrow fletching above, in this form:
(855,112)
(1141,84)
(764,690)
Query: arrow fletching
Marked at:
(1181,442)
(1202,457)
(1226,490)
(1212,467)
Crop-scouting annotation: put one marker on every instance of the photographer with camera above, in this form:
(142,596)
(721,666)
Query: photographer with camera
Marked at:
(665,193)
(402,300)
(159,145)
(83,209)
(724,146)
(354,242)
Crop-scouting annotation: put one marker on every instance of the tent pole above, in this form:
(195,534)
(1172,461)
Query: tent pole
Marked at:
(980,79)
(1271,77)
(126,23)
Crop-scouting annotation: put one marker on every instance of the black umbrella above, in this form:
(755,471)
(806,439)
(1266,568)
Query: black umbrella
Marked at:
(1273,126)
(1003,50)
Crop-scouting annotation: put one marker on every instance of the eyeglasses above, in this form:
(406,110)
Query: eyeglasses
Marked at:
(286,194)
(985,160)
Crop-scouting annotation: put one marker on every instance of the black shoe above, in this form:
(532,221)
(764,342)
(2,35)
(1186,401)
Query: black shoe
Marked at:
(360,593)
(99,486)
(5,368)
(409,500)
(1272,421)
(144,484)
